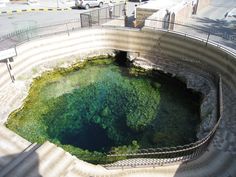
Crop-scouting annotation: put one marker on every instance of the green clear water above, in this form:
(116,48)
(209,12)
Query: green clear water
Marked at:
(100,106)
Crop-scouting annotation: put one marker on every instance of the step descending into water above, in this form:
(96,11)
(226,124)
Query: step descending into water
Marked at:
(48,160)
(11,145)
(18,159)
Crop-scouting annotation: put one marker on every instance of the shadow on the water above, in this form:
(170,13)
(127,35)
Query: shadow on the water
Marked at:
(180,128)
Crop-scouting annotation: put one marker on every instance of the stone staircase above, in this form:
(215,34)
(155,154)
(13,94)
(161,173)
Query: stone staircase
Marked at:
(38,160)
(20,158)
(16,91)
(11,145)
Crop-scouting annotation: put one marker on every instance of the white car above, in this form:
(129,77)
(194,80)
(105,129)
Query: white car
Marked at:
(230,18)
(86,4)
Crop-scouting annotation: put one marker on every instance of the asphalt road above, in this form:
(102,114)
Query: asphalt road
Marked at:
(212,20)
(10,23)
(217,9)
(209,19)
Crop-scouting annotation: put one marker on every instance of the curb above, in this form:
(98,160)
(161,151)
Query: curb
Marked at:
(9,12)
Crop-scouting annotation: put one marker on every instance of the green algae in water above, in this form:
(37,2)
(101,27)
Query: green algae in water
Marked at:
(92,109)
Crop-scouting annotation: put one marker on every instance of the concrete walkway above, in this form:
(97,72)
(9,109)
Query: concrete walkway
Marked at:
(212,19)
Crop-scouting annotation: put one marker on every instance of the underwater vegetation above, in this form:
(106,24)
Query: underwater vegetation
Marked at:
(95,107)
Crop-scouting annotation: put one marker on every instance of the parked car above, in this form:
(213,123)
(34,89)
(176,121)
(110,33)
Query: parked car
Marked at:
(230,18)
(86,4)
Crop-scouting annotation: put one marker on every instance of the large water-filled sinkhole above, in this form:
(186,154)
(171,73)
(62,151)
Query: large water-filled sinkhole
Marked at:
(97,106)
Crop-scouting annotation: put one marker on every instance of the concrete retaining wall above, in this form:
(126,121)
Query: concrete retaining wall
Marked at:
(142,14)
(202,4)
(150,44)
(181,14)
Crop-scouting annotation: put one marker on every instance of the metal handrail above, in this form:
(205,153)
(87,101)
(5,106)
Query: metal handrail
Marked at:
(207,40)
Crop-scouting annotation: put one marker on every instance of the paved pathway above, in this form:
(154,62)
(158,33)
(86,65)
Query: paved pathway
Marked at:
(12,22)
(212,19)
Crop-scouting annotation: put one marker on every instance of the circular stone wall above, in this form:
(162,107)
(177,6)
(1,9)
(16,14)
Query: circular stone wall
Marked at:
(151,45)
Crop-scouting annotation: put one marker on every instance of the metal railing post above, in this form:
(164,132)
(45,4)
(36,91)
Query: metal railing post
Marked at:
(119,10)
(208,36)
(98,16)
(90,19)
(9,68)
(27,35)
(67,30)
